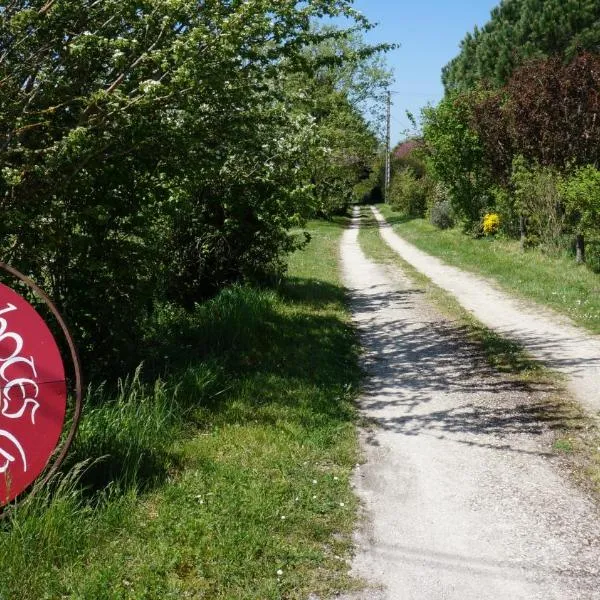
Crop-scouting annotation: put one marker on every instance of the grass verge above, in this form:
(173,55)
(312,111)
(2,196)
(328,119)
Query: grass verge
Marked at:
(576,436)
(227,479)
(556,282)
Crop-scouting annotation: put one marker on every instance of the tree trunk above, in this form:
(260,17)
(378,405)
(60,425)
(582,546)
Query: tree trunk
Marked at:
(522,232)
(580,248)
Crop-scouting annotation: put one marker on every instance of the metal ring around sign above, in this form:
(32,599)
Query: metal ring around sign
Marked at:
(76,366)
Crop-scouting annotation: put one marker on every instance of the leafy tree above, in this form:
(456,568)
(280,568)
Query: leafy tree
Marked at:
(582,197)
(455,156)
(347,88)
(552,111)
(158,150)
(488,119)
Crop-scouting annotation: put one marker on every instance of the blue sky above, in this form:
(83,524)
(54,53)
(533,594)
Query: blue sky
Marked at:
(429,33)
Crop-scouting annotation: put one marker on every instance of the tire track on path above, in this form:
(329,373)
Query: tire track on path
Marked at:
(461,499)
(548,337)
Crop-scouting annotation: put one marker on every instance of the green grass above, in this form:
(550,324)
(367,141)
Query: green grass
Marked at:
(227,479)
(553,281)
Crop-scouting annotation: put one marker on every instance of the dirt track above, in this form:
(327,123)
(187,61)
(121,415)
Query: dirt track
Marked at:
(547,336)
(462,499)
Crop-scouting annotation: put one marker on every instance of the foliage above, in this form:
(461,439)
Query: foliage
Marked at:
(488,119)
(552,111)
(410,154)
(547,115)
(520,116)
(506,207)
(409,193)
(441,214)
(581,192)
(455,156)
(538,198)
(191,476)
(491,223)
(342,95)
(157,151)
(370,190)
(519,30)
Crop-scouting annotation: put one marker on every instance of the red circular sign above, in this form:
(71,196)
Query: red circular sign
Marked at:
(34,394)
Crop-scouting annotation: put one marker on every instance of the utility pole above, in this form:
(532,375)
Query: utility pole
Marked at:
(388,165)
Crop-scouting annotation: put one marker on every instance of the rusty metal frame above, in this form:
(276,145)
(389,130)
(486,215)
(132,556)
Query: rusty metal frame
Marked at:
(64,449)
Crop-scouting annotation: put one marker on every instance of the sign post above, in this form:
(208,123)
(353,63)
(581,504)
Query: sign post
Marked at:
(33,392)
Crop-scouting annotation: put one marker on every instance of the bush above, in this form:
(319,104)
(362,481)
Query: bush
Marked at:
(552,108)
(455,156)
(145,160)
(491,224)
(441,214)
(505,207)
(581,193)
(538,197)
(408,193)
(592,259)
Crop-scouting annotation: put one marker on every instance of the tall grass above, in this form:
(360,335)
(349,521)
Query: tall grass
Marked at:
(219,469)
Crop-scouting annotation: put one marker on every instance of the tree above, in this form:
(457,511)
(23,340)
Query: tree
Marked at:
(519,30)
(347,98)
(157,150)
(552,110)
(455,156)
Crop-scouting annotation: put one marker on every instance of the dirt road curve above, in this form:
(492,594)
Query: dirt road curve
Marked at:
(546,336)
(461,500)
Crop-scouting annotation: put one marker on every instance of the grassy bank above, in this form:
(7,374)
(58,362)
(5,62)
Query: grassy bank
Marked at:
(227,478)
(556,282)
(576,437)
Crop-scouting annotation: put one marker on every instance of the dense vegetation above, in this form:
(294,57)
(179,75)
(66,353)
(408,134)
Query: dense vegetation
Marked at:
(519,30)
(513,148)
(229,477)
(154,152)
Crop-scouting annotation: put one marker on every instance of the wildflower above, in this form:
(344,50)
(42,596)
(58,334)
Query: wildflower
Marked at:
(491,224)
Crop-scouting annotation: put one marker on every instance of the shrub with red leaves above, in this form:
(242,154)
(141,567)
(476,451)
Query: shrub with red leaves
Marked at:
(552,111)
(488,119)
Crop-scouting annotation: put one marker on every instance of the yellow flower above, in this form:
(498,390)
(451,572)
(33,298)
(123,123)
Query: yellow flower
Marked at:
(491,224)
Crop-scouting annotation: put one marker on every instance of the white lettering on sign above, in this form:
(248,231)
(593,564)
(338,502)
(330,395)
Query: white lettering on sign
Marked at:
(26,392)
(9,458)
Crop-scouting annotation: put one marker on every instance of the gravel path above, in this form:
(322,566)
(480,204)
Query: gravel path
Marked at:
(461,499)
(547,336)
